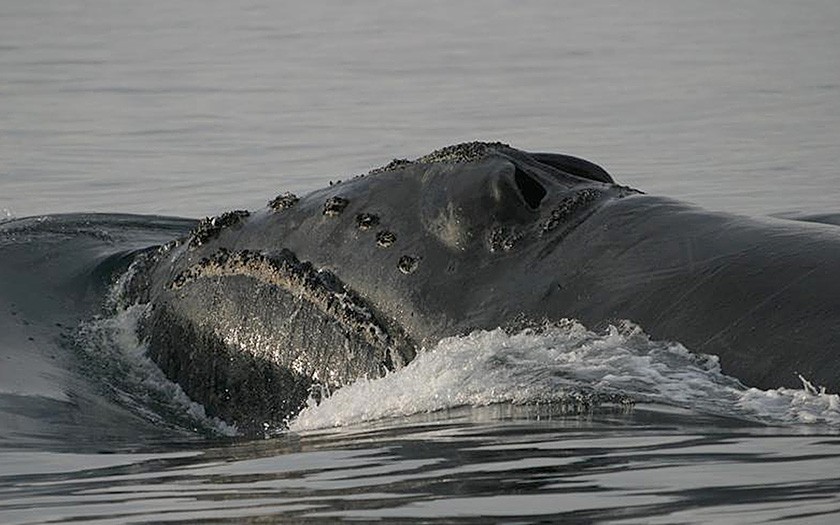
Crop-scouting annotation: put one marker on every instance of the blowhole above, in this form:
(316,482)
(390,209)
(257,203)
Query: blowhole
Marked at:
(531,190)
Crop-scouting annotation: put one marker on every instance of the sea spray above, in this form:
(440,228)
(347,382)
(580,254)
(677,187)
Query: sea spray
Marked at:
(570,366)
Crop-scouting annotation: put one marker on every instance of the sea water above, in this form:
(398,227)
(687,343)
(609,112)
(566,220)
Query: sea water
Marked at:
(189,108)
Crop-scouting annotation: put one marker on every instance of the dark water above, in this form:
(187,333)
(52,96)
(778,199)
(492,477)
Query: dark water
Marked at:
(188,108)
(470,465)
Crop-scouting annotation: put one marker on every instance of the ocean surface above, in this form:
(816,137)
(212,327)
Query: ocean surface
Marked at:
(126,116)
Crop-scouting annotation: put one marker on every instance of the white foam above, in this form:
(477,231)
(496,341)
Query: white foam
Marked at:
(560,364)
(807,405)
(113,345)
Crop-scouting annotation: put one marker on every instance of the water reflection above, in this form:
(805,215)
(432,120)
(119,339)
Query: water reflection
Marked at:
(649,464)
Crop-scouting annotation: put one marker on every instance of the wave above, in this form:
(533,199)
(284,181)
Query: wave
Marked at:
(55,274)
(572,368)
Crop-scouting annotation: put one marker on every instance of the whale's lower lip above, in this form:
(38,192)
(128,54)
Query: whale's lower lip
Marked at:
(264,329)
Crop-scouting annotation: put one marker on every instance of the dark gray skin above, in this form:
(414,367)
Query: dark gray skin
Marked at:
(477,236)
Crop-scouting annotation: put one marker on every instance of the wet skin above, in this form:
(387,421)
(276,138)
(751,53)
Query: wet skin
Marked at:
(254,309)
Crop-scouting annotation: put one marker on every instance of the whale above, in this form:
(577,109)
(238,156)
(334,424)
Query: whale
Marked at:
(255,313)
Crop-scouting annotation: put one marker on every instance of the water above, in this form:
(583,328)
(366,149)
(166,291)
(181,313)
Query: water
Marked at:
(189,108)
(458,466)
(181,108)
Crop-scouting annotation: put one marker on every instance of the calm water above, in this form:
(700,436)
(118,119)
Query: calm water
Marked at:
(188,108)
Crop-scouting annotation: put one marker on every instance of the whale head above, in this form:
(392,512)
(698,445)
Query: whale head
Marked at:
(258,311)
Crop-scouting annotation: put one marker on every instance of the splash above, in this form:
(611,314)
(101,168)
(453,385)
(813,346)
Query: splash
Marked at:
(119,360)
(567,365)
(809,405)
(563,366)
